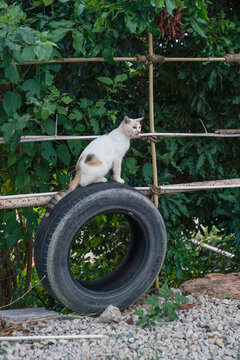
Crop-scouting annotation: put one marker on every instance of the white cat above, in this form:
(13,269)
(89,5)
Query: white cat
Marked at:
(102,155)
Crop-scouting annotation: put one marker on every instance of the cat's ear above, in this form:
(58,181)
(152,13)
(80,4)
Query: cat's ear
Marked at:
(127,120)
(139,119)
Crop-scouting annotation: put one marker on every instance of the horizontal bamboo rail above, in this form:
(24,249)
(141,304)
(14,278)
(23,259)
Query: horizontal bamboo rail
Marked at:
(40,199)
(212,248)
(197,186)
(130,59)
(40,138)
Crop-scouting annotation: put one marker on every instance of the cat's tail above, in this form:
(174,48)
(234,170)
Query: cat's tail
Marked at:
(71,186)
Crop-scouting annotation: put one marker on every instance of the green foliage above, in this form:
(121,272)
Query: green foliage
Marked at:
(92,98)
(3,349)
(160,308)
(100,246)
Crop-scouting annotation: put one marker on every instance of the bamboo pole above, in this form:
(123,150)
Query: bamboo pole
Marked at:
(152,130)
(101,59)
(151,117)
(212,248)
(50,337)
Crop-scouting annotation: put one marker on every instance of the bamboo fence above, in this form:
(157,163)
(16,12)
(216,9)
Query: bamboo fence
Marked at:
(150,59)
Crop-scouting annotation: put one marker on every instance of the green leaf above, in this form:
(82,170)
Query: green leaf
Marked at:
(105,80)
(108,54)
(31,87)
(4,19)
(136,152)
(236,100)
(153,300)
(80,128)
(29,148)
(64,154)
(198,29)
(58,34)
(61,110)
(170,310)
(157,3)
(11,73)
(179,272)
(12,101)
(47,109)
(154,29)
(75,147)
(3,5)
(22,179)
(164,291)
(147,172)
(63,179)
(28,53)
(131,165)
(184,210)
(157,318)
(170,6)
(95,50)
(95,125)
(78,9)
(12,157)
(131,23)
(76,115)
(85,103)
(48,152)
(27,35)
(66,99)
(200,162)
(78,42)
(180,298)
(43,52)
(42,171)
(97,111)
(95,241)
(48,2)
(48,126)
(10,133)
(120,78)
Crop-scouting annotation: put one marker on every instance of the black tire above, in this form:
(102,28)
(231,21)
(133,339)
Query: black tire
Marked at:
(132,277)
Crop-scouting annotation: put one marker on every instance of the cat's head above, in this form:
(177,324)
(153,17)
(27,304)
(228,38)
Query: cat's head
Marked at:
(132,127)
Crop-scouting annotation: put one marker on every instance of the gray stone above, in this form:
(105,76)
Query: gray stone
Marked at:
(111,313)
(201,300)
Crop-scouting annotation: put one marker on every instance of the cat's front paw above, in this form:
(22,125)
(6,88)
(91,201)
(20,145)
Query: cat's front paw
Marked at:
(121,181)
(103,179)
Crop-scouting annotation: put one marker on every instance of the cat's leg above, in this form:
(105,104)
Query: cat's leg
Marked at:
(116,171)
(103,179)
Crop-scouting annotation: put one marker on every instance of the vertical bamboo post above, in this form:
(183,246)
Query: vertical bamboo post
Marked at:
(152,130)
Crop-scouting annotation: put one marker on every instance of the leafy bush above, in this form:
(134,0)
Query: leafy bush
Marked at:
(161,309)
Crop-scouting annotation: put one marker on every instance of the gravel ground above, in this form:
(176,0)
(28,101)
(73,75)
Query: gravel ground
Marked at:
(210,330)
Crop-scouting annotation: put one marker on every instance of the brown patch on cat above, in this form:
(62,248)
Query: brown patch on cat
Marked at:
(94,162)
